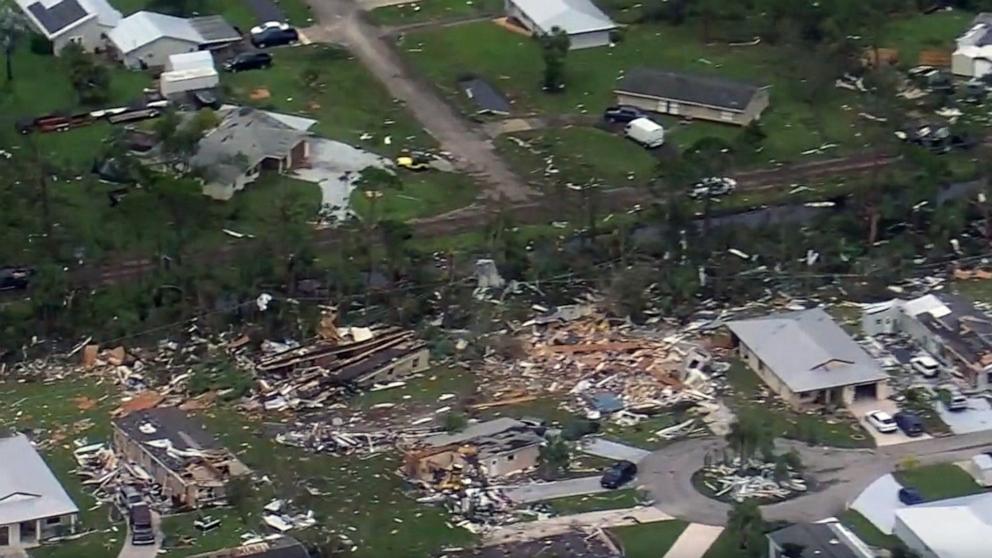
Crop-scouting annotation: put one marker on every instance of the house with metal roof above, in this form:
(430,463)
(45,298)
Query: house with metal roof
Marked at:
(65,22)
(952,528)
(972,56)
(33,504)
(693,96)
(246,143)
(586,25)
(807,359)
(147,39)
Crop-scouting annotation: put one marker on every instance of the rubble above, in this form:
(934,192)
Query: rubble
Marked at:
(754,479)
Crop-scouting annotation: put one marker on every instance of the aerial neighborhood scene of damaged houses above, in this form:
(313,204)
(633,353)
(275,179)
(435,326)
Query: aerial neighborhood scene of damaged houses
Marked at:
(496,278)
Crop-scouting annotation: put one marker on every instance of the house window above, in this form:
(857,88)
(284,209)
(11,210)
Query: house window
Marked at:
(726,116)
(76,40)
(4,535)
(53,520)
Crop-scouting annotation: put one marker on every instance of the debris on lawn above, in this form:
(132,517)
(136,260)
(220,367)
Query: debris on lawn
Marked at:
(755,479)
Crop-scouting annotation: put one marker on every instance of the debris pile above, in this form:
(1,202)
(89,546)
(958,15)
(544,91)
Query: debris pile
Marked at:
(756,479)
(278,515)
(324,438)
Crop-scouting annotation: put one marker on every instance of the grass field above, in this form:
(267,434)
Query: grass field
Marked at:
(784,422)
(513,63)
(613,500)
(650,540)
(237,12)
(727,545)
(434,10)
(939,482)
(327,84)
(910,35)
(420,195)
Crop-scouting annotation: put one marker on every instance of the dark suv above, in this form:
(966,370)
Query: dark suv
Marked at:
(909,423)
(623,114)
(619,474)
(248,61)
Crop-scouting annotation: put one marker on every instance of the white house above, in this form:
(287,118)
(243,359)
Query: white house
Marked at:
(586,25)
(973,55)
(63,22)
(954,528)
(33,505)
(147,39)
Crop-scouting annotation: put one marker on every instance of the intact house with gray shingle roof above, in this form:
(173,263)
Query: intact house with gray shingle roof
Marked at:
(807,359)
(246,143)
(33,505)
(692,96)
(585,24)
(65,22)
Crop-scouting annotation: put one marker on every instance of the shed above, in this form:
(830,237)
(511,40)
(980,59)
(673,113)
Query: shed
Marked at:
(487,99)
(586,25)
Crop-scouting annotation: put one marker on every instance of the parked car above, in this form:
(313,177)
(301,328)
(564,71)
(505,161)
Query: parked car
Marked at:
(881,421)
(927,366)
(623,114)
(910,496)
(15,278)
(259,29)
(248,61)
(712,187)
(128,497)
(275,36)
(619,474)
(140,519)
(909,423)
(646,132)
(956,401)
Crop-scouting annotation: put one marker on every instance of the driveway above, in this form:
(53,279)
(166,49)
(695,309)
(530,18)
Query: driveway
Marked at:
(862,408)
(527,493)
(612,450)
(144,551)
(694,541)
(842,475)
(976,418)
(340,21)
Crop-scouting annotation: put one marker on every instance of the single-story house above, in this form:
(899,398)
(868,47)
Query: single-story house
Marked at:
(179,453)
(973,55)
(499,447)
(64,22)
(282,547)
(147,39)
(245,143)
(953,528)
(823,539)
(807,359)
(692,96)
(574,543)
(33,505)
(586,25)
(947,326)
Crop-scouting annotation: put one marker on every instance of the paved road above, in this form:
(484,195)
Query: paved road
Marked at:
(339,21)
(612,450)
(841,474)
(536,492)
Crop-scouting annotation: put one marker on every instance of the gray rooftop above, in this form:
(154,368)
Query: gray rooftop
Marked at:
(475,431)
(167,423)
(572,16)
(28,489)
(695,89)
(56,17)
(244,138)
(807,350)
(214,29)
(819,540)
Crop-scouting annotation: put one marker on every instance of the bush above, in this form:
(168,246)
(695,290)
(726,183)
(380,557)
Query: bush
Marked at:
(40,45)
(576,428)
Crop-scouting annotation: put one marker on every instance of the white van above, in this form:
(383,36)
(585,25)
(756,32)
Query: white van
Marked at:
(646,132)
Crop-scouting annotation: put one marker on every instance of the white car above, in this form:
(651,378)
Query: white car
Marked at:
(282,26)
(712,187)
(926,366)
(882,421)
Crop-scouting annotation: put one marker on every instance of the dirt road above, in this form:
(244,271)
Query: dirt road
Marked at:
(340,21)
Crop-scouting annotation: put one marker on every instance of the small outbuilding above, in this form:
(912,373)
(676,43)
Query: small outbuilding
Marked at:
(586,25)
(693,96)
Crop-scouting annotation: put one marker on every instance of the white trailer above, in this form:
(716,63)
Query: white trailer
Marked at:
(181,81)
(646,132)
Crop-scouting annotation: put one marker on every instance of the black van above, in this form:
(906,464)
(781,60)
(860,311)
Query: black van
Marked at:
(909,423)
(142,532)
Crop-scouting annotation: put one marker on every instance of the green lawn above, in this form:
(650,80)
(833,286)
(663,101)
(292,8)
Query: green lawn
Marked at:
(746,399)
(727,545)
(434,10)
(910,35)
(975,289)
(60,413)
(421,195)
(237,12)
(613,500)
(866,531)
(578,154)
(183,539)
(642,435)
(327,84)
(425,389)
(939,482)
(513,63)
(649,540)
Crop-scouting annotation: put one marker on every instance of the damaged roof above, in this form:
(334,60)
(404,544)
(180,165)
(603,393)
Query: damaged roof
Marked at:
(960,325)
(807,350)
(283,547)
(28,489)
(572,544)
(819,540)
(492,437)
(710,91)
(184,435)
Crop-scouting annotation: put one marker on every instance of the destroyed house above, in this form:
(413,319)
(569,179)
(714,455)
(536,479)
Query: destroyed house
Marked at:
(571,544)
(499,447)
(282,547)
(947,326)
(389,354)
(178,453)
(807,359)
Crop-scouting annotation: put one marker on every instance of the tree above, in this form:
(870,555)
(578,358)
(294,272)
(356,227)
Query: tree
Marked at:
(239,491)
(554,457)
(90,79)
(744,519)
(12,26)
(554,47)
(455,422)
(179,8)
(749,435)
